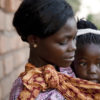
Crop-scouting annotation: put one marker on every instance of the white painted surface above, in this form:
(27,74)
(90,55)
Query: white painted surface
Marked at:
(88,7)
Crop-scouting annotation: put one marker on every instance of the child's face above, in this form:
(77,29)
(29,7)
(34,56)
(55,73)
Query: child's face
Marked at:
(59,49)
(87,62)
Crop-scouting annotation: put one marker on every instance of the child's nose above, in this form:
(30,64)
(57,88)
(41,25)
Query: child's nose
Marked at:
(92,69)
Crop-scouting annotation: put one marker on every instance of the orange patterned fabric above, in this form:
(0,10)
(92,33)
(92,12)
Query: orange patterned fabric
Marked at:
(40,79)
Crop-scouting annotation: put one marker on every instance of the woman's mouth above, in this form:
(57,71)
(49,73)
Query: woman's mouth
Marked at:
(70,59)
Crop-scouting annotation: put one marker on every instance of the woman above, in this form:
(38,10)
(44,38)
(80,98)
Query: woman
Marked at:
(50,29)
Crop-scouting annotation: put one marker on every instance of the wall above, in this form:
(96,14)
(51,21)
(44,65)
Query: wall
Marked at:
(13,52)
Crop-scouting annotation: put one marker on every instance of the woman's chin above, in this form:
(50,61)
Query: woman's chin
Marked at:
(67,64)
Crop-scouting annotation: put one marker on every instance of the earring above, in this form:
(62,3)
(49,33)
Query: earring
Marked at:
(35,45)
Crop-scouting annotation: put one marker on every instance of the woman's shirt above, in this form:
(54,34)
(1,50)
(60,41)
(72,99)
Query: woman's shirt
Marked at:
(51,94)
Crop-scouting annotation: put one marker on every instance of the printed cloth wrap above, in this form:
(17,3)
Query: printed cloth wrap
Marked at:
(40,79)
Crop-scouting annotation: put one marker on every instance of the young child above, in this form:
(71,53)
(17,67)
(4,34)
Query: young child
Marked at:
(87,57)
(50,28)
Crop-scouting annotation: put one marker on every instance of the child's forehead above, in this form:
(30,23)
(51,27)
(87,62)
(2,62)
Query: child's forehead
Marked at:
(89,46)
(88,49)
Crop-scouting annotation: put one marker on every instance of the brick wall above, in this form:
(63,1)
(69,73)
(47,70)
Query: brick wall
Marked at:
(13,52)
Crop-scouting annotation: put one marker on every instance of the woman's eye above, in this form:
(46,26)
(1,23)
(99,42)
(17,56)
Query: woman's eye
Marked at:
(63,42)
(98,64)
(83,64)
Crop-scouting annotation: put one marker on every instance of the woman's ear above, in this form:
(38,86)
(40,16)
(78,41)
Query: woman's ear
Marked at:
(33,40)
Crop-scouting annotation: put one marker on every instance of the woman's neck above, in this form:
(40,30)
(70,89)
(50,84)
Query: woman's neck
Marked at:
(36,60)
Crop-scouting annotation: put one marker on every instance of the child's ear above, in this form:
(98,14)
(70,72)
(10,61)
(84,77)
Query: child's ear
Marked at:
(33,39)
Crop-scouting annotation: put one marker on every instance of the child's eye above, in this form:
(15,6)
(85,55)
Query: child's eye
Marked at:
(83,64)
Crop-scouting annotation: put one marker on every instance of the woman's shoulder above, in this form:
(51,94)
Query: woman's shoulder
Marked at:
(47,95)
(52,94)
(16,89)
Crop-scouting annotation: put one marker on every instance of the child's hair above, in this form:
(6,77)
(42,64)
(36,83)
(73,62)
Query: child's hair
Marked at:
(89,37)
(82,24)
(41,17)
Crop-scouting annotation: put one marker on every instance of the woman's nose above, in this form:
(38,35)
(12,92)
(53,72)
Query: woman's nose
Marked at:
(72,46)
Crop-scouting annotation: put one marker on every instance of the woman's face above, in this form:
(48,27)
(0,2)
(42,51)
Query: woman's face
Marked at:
(59,49)
(87,62)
